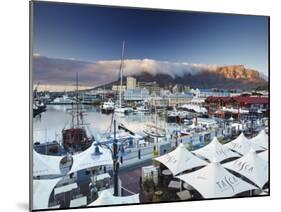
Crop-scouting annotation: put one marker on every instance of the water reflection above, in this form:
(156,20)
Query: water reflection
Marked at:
(48,125)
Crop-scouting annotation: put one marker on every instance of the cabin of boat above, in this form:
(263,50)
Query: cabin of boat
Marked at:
(76,139)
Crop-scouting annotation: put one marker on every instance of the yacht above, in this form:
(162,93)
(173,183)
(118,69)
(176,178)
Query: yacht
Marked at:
(108,107)
(142,108)
(64,100)
(124,110)
(76,137)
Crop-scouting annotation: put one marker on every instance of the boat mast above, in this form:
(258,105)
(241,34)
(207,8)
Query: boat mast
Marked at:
(121,74)
(77,110)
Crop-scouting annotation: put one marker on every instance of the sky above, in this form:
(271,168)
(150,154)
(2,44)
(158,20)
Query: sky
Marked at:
(83,36)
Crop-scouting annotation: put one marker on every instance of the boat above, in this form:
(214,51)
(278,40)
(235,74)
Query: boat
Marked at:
(178,116)
(63,100)
(35,110)
(75,138)
(142,108)
(45,98)
(108,107)
(89,99)
(154,131)
(38,105)
(123,110)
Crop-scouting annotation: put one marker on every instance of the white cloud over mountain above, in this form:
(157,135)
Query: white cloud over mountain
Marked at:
(63,71)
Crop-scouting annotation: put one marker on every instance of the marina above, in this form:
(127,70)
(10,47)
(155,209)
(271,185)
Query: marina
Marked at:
(88,142)
(170,114)
(141,136)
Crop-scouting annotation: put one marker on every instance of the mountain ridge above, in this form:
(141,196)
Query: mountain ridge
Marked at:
(224,77)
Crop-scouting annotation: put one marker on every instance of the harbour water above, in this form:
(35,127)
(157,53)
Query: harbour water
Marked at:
(48,125)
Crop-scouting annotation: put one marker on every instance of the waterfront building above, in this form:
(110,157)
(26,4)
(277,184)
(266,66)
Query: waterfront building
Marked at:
(239,107)
(136,94)
(131,83)
(117,88)
(157,101)
(165,92)
(153,87)
(204,93)
(169,99)
(179,99)
(195,92)
(89,98)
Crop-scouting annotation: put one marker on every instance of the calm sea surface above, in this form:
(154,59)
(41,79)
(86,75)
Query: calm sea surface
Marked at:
(48,125)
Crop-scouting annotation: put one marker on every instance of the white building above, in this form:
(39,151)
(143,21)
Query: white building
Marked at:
(136,94)
(118,88)
(131,83)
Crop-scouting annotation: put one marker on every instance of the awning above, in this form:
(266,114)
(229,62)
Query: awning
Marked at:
(46,164)
(42,190)
(214,181)
(252,167)
(180,160)
(215,150)
(89,159)
(261,139)
(106,198)
(242,145)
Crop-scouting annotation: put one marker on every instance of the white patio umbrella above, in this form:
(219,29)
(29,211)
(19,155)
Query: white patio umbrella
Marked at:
(252,167)
(261,139)
(216,150)
(106,198)
(42,190)
(214,181)
(89,159)
(180,160)
(242,145)
(264,155)
(46,164)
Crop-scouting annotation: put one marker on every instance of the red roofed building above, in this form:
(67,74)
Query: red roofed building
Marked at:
(239,107)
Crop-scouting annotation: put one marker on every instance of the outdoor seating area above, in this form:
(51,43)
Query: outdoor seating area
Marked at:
(217,169)
(238,168)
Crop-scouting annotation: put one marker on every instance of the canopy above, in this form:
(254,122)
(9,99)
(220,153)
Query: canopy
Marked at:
(252,167)
(214,181)
(215,150)
(180,160)
(264,155)
(106,198)
(242,145)
(42,190)
(89,159)
(261,139)
(46,164)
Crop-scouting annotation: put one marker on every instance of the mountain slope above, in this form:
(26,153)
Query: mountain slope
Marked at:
(227,77)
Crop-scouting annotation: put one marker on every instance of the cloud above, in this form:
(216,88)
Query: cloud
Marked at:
(63,71)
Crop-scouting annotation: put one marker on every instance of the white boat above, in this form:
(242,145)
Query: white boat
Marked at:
(124,110)
(108,106)
(63,100)
(142,108)
(154,131)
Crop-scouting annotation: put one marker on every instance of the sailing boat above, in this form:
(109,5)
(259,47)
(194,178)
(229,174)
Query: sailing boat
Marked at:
(120,108)
(75,138)
(154,132)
